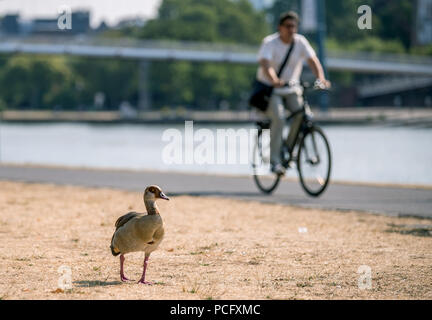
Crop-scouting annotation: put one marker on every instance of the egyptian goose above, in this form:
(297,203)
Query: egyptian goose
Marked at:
(139,231)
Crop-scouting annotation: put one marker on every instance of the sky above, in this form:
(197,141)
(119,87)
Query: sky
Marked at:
(110,11)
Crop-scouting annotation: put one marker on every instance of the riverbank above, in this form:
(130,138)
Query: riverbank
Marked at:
(213,249)
(407,116)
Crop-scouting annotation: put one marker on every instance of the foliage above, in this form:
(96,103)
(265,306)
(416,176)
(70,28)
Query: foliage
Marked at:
(392,21)
(203,85)
(224,21)
(422,50)
(369,44)
(280,6)
(46,82)
(35,82)
(116,79)
(200,85)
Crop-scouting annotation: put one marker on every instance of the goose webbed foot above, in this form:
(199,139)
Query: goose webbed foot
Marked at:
(124,279)
(145,282)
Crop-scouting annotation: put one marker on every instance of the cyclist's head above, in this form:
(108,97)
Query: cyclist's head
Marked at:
(288,23)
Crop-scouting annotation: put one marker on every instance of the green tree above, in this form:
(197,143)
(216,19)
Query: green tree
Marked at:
(393,21)
(280,6)
(227,21)
(35,82)
(116,79)
(396,20)
(203,85)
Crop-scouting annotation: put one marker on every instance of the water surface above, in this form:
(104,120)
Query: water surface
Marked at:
(401,155)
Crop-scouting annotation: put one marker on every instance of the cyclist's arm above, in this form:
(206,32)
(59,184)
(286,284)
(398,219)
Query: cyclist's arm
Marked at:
(317,70)
(270,73)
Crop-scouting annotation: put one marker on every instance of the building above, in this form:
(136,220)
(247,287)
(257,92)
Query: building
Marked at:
(10,24)
(44,26)
(80,22)
(80,25)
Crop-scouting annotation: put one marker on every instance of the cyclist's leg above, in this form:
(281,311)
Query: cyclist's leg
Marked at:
(276,113)
(294,102)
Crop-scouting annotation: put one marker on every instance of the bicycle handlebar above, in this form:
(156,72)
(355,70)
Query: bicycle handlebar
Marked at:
(318,85)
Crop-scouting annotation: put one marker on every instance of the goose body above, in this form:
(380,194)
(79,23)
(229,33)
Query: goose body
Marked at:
(139,231)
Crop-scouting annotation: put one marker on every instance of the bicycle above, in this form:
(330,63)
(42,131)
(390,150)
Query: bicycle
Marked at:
(310,152)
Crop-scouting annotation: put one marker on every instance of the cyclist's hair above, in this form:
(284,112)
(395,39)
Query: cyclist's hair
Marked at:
(290,15)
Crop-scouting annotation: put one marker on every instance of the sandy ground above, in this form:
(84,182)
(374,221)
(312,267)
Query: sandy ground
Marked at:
(213,249)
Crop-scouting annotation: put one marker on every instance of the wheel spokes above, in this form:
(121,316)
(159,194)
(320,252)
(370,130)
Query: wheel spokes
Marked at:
(314,162)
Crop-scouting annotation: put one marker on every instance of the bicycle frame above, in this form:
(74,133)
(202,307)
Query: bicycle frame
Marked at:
(306,124)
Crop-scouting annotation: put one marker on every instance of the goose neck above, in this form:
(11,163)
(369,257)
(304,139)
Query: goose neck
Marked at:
(151,206)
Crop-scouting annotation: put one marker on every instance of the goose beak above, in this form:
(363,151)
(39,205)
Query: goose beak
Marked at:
(163,196)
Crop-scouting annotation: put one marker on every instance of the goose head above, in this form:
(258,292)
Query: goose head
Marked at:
(152,193)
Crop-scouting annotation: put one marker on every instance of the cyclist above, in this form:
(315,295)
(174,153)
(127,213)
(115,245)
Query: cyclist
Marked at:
(271,55)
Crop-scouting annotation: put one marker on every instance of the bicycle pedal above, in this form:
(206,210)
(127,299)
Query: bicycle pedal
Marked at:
(279,169)
(288,164)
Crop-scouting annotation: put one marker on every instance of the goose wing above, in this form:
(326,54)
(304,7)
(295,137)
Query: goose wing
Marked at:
(119,223)
(125,218)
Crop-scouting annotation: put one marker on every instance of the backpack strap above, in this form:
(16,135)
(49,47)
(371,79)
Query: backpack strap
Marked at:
(286,59)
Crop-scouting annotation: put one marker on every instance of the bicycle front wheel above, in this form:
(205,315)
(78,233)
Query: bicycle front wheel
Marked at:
(314,162)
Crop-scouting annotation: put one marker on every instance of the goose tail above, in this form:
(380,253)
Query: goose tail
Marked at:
(114,251)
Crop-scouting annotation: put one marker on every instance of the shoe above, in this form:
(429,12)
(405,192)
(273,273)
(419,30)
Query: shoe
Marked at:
(278,169)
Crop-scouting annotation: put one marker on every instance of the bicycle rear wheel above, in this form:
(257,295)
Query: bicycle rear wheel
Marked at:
(264,178)
(314,162)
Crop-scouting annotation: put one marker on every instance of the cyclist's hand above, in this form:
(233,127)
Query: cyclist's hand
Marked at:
(279,83)
(322,84)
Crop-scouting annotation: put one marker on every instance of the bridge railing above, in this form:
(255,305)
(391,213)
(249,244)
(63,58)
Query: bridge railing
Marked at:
(369,62)
(132,43)
(203,46)
(379,56)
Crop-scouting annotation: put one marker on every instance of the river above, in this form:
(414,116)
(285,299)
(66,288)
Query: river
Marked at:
(377,154)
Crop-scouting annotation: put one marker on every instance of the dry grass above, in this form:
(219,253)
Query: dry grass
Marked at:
(213,249)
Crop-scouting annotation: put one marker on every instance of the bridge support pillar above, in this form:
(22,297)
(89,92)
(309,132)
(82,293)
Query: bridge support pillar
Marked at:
(144,99)
(321,36)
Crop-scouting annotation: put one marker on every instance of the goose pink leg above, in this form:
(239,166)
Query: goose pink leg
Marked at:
(142,280)
(122,276)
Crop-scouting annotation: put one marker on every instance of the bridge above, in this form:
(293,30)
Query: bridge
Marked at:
(393,84)
(206,52)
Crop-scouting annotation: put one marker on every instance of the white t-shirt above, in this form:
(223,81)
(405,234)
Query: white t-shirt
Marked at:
(274,50)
